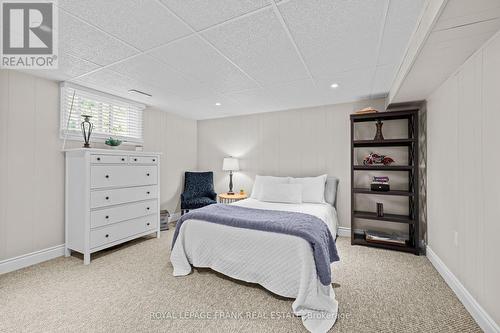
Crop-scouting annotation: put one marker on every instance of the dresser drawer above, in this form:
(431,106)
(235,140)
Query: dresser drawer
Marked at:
(143,160)
(102,217)
(103,159)
(121,175)
(102,198)
(118,231)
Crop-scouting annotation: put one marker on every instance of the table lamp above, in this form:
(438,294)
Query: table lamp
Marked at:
(230,164)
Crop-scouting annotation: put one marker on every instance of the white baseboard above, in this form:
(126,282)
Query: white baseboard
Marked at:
(482,318)
(32,258)
(344,232)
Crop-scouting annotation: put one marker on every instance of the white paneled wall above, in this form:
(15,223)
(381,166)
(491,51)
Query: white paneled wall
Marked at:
(463,175)
(175,138)
(301,142)
(32,164)
(32,175)
(4,104)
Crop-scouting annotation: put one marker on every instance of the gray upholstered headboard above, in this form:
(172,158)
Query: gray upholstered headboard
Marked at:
(332,184)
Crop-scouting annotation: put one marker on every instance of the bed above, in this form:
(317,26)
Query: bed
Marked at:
(283,264)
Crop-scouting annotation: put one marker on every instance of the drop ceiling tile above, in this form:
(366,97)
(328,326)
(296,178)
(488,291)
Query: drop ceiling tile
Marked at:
(74,66)
(142,23)
(117,84)
(195,58)
(145,68)
(110,82)
(400,24)
(259,45)
(255,100)
(201,14)
(69,66)
(86,42)
(204,108)
(354,85)
(335,35)
(297,94)
(383,80)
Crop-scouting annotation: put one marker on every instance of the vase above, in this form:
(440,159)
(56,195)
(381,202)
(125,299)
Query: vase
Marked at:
(87,128)
(379,136)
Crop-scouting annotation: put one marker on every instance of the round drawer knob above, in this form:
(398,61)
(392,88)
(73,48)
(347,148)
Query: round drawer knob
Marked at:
(147,192)
(123,159)
(107,176)
(147,174)
(148,223)
(135,159)
(154,160)
(107,235)
(107,198)
(107,217)
(98,158)
(147,208)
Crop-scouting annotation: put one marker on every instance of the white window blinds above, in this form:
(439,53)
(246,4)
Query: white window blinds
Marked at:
(112,116)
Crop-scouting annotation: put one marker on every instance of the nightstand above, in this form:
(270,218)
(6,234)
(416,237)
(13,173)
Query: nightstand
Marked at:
(230,198)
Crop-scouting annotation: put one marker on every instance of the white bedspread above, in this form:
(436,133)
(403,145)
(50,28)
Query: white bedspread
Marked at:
(283,264)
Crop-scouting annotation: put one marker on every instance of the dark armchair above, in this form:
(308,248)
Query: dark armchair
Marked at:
(198,191)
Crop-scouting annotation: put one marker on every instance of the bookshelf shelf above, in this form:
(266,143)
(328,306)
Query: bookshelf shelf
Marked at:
(384,167)
(359,239)
(392,192)
(384,143)
(387,217)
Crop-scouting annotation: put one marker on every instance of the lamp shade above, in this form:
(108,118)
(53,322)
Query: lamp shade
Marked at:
(230,164)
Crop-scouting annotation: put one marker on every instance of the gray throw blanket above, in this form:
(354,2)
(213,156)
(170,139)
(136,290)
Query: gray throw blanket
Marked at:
(305,226)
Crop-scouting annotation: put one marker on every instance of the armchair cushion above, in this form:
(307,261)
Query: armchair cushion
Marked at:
(199,202)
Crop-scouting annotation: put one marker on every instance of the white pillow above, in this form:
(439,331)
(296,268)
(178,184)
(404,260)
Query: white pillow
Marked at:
(260,180)
(313,188)
(286,193)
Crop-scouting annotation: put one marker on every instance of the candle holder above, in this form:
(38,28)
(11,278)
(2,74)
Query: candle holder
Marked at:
(380,209)
(87,128)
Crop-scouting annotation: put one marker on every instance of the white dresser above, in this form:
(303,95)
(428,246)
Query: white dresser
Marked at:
(112,196)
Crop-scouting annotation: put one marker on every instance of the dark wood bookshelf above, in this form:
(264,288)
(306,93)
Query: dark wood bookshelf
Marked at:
(410,112)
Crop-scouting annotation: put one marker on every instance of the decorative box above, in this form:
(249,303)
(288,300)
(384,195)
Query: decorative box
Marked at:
(380,187)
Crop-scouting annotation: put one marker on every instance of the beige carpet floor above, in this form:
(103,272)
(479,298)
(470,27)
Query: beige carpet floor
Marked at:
(378,291)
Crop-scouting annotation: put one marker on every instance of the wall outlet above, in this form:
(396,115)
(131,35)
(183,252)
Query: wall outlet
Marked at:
(455,238)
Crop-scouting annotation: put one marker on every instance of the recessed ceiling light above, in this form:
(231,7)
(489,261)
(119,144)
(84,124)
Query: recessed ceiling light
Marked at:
(218,104)
(135,91)
(334,85)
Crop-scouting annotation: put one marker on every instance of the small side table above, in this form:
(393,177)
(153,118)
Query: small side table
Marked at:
(230,198)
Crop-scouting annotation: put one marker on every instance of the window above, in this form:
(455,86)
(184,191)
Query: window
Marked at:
(111,115)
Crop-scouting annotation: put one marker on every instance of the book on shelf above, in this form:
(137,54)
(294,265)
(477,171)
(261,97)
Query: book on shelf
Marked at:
(367,110)
(385,238)
(380,179)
